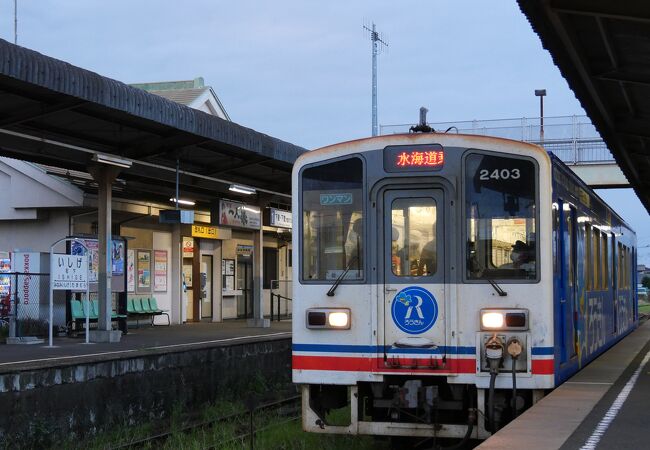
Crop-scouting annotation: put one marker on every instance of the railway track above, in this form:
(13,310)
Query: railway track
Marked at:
(245,426)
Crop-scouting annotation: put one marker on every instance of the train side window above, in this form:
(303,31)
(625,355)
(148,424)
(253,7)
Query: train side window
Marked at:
(604,261)
(627,268)
(570,238)
(332,221)
(619,263)
(589,280)
(595,258)
(501,218)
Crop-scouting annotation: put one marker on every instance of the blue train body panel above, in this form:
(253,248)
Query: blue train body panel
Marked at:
(594,290)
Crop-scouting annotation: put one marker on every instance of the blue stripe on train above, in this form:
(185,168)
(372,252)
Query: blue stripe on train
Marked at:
(539,351)
(335,348)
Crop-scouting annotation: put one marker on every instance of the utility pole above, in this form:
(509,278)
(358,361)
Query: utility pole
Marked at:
(15,22)
(541,93)
(375,38)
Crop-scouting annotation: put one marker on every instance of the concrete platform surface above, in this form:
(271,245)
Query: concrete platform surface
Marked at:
(589,411)
(150,340)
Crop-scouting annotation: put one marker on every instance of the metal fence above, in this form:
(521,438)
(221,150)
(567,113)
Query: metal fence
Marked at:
(281,292)
(25,303)
(574,139)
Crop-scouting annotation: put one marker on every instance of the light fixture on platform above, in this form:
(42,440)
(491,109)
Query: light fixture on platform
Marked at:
(183,202)
(241,189)
(112,160)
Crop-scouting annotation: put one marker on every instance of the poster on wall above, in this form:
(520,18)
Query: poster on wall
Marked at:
(93,256)
(188,247)
(239,215)
(117,257)
(160,270)
(144,270)
(5,280)
(130,270)
(228,274)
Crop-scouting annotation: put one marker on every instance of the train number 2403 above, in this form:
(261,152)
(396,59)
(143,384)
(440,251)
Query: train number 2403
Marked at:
(499,174)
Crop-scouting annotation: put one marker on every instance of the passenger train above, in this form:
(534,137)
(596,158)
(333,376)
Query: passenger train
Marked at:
(444,283)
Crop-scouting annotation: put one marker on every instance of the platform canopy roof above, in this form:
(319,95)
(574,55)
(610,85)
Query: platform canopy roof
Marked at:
(60,116)
(602,48)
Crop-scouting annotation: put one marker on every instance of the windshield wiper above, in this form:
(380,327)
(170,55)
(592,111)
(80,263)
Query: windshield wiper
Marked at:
(330,293)
(493,283)
(497,288)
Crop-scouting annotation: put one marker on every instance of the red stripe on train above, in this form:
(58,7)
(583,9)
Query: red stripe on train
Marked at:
(543,366)
(355,364)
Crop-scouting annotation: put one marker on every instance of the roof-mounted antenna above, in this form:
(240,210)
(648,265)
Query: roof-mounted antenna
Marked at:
(422,127)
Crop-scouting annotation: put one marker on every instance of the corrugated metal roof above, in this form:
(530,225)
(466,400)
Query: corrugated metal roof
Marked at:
(601,48)
(38,70)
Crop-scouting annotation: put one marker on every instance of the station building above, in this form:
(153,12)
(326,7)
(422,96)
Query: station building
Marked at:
(197,256)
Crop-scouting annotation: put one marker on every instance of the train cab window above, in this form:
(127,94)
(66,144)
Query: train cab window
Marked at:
(501,215)
(332,221)
(413,248)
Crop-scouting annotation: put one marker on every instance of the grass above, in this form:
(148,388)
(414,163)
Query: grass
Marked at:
(273,431)
(644,308)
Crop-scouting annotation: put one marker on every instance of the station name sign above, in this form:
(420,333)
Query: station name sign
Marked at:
(413,158)
(69,272)
(279,218)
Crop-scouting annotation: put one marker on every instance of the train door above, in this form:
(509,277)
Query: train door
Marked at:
(245,286)
(568,295)
(413,278)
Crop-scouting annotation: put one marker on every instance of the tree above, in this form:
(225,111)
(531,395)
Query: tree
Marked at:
(645,282)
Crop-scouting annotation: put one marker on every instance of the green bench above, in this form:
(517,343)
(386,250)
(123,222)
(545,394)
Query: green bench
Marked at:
(139,307)
(78,312)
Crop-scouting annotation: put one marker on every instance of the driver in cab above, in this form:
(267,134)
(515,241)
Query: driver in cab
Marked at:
(521,256)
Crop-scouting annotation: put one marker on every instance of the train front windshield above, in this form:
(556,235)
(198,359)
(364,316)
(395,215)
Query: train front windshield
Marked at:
(500,207)
(332,221)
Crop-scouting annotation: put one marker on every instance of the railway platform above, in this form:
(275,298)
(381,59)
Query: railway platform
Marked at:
(76,389)
(151,340)
(604,406)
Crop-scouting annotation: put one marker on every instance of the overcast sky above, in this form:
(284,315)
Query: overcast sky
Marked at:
(300,70)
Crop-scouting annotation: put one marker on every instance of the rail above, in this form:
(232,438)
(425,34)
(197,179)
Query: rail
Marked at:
(281,291)
(243,431)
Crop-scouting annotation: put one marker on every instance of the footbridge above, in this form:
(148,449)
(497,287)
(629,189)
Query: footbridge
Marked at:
(574,139)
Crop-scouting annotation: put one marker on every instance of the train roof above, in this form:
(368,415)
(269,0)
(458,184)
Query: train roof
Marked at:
(445,139)
(450,140)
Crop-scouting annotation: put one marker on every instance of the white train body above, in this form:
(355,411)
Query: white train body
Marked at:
(400,346)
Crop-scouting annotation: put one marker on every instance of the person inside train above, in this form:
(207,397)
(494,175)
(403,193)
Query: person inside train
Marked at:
(522,257)
(428,261)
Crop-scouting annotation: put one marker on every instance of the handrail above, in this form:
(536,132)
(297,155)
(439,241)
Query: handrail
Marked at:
(278,303)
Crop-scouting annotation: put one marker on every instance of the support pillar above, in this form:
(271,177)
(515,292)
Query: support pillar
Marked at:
(258,319)
(176,312)
(104,176)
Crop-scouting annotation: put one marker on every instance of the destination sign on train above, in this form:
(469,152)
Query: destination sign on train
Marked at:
(413,158)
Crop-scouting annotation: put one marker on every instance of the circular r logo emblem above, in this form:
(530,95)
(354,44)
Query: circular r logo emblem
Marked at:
(414,310)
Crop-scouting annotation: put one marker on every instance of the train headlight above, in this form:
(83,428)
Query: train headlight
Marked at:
(514,319)
(338,319)
(492,320)
(328,318)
